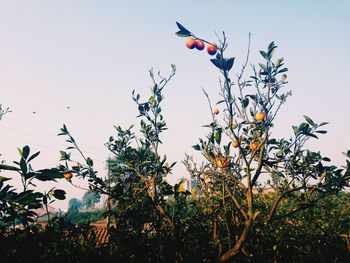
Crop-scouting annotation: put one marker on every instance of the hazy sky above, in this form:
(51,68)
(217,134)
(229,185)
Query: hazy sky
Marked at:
(90,55)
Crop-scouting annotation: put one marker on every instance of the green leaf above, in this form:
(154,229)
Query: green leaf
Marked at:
(64,156)
(323,123)
(217,136)
(263,53)
(181,27)
(217,63)
(89,162)
(59,194)
(3,179)
(196,147)
(245,102)
(48,174)
(283,70)
(271,45)
(183,34)
(33,156)
(321,131)
(8,168)
(303,127)
(229,63)
(310,121)
(25,152)
(23,166)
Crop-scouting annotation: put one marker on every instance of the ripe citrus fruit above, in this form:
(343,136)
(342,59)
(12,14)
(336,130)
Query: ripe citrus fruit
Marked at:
(200,45)
(68,175)
(260,116)
(212,49)
(234,144)
(216,111)
(221,162)
(191,43)
(253,146)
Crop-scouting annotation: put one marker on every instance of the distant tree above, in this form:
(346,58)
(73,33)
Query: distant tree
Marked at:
(90,198)
(74,204)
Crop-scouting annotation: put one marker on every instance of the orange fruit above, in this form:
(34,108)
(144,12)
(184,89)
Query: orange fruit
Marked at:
(216,111)
(253,146)
(260,116)
(221,162)
(191,42)
(200,45)
(212,49)
(234,144)
(68,175)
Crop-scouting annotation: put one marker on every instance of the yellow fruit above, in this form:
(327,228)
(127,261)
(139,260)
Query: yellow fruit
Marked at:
(260,116)
(68,175)
(221,162)
(284,77)
(216,111)
(253,146)
(234,144)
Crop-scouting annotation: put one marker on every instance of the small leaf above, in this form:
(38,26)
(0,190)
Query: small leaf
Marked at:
(245,102)
(89,162)
(59,194)
(183,34)
(263,53)
(8,167)
(283,70)
(33,156)
(217,136)
(229,63)
(181,27)
(23,166)
(217,63)
(25,152)
(3,179)
(310,121)
(196,147)
(323,123)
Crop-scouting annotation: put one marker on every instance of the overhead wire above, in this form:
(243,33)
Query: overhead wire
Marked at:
(48,133)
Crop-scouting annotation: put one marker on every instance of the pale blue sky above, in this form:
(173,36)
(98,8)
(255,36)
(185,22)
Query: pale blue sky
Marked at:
(90,55)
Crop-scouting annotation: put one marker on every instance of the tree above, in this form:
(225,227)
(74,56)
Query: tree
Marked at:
(75,204)
(91,198)
(240,150)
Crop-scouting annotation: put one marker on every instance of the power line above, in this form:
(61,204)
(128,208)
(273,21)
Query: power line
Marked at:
(48,133)
(44,139)
(38,144)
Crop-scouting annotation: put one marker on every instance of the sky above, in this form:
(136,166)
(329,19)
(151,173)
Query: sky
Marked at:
(90,55)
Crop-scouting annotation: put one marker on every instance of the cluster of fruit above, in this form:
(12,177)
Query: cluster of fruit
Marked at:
(221,162)
(192,43)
